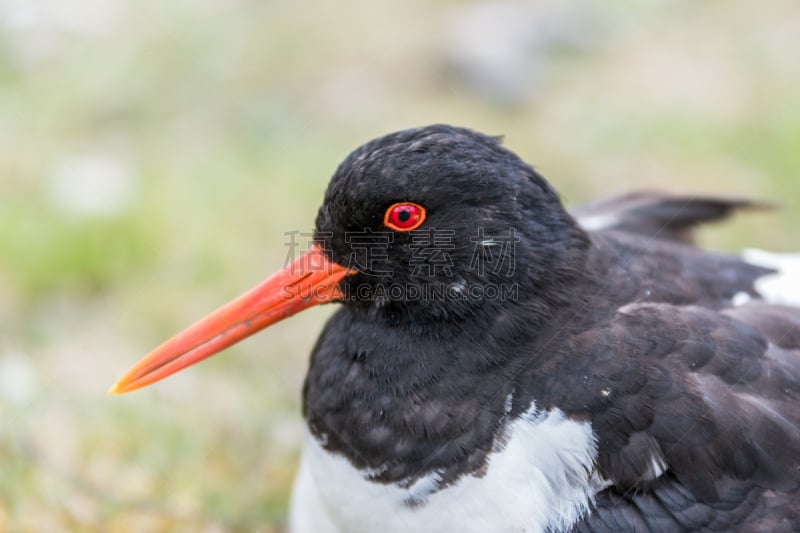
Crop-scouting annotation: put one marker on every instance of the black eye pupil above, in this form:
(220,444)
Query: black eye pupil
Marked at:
(404,215)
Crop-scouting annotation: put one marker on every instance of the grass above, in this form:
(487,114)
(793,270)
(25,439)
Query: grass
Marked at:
(215,128)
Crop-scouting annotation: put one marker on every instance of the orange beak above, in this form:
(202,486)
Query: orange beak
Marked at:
(310,280)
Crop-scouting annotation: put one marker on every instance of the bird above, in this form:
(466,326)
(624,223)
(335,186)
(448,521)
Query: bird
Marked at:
(498,363)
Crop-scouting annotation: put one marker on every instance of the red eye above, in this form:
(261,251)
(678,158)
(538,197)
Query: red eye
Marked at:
(404,216)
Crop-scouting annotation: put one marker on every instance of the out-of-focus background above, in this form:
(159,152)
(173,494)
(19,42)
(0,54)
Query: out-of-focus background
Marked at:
(153,154)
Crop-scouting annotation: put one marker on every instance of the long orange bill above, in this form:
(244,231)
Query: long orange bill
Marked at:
(310,280)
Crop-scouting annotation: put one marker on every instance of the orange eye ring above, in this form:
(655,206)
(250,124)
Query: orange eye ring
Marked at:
(404,216)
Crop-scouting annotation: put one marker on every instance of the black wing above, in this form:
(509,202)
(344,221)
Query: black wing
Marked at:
(697,414)
(659,215)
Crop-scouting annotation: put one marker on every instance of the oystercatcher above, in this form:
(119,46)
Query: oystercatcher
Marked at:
(497,365)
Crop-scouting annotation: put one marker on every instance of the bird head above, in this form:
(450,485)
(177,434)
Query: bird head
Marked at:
(429,224)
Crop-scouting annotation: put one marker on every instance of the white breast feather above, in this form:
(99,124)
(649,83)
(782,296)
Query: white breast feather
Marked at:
(542,480)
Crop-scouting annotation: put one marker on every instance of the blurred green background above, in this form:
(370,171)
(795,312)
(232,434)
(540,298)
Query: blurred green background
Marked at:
(154,153)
